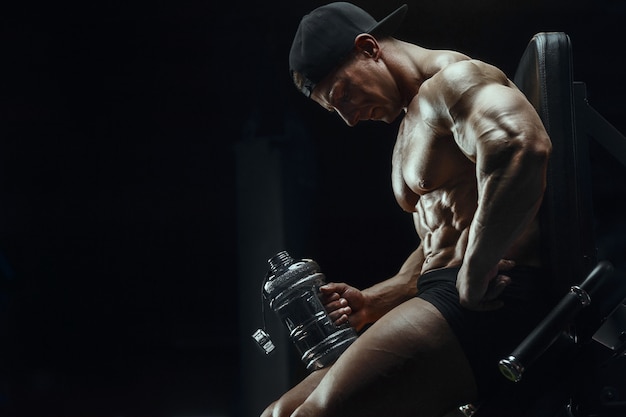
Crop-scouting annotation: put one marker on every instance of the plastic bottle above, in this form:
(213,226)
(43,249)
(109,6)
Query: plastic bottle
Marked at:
(292,289)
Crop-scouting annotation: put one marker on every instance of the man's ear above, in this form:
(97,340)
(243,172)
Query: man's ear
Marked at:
(368,45)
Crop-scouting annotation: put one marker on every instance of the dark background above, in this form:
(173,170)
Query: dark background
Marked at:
(118,182)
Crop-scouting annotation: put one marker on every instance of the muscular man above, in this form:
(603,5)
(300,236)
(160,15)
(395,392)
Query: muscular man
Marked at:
(469,163)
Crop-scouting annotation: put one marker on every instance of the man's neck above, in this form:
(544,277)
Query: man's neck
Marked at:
(409,65)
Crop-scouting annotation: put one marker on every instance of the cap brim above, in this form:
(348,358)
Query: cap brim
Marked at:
(389,24)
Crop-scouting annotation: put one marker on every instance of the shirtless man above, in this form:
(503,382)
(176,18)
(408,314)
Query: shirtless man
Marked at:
(470,164)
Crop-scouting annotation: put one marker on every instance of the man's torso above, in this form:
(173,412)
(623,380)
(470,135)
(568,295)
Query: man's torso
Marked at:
(434,179)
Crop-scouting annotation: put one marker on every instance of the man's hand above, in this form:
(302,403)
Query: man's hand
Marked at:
(481,293)
(344,304)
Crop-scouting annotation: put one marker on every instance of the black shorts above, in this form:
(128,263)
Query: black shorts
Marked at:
(487,337)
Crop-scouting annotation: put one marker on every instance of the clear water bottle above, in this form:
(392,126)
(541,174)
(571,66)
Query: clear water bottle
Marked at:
(292,289)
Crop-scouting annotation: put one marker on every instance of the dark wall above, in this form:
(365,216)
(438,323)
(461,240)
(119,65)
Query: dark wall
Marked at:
(118,274)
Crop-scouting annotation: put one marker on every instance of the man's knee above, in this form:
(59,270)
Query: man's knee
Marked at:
(269,411)
(309,410)
(282,408)
(279,408)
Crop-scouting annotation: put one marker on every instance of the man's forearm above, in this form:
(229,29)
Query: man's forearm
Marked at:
(384,296)
(509,199)
(508,202)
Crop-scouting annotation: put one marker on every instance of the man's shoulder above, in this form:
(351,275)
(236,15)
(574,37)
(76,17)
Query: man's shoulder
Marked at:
(462,76)
(457,86)
(472,70)
(442,58)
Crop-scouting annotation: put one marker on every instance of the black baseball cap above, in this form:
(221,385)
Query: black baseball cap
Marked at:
(325,37)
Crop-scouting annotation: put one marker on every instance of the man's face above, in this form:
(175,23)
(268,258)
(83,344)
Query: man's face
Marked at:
(360,89)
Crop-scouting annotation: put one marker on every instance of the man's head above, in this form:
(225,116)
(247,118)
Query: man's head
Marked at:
(326,37)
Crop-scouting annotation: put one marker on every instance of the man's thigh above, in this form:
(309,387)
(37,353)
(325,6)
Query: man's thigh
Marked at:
(409,363)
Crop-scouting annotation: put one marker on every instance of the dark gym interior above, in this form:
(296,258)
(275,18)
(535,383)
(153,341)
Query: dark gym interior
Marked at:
(154,155)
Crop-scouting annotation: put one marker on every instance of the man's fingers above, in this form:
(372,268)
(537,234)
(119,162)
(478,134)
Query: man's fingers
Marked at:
(329,298)
(332,287)
(343,319)
(505,265)
(340,316)
(336,305)
(489,301)
(496,286)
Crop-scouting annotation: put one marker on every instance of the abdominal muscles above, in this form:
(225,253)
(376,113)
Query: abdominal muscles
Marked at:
(442,220)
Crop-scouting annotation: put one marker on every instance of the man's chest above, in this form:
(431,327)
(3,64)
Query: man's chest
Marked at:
(424,163)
